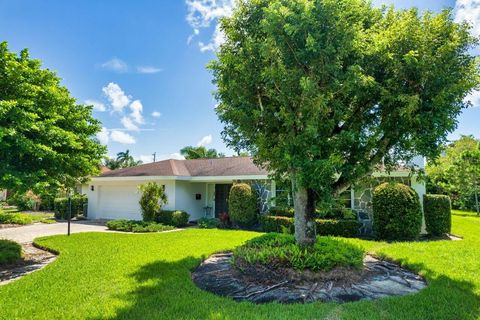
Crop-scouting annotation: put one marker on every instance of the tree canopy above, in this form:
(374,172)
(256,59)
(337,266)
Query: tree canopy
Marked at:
(200,152)
(46,138)
(325,90)
(123,160)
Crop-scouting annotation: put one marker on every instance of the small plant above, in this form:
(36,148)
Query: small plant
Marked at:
(137,226)
(281,212)
(208,223)
(9,252)
(276,250)
(15,218)
(152,200)
(224,218)
(438,216)
(242,204)
(397,214)
(174,218)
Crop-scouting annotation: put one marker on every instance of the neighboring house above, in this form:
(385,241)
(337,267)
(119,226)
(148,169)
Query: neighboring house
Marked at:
(200,187)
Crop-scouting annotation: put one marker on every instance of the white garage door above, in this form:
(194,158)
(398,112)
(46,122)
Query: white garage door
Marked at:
(119,202)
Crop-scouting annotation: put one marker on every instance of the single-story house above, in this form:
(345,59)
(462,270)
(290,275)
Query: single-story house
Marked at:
(201,186)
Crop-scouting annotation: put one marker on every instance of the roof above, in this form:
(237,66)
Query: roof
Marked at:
(228,166)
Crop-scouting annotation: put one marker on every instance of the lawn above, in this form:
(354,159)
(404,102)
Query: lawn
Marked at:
(147,276)
(13,216)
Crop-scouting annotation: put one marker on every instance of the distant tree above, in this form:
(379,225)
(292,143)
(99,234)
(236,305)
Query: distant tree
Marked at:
(325,90)
(453,173)
(467,175)
(200,152)
(123,160)
(46,138)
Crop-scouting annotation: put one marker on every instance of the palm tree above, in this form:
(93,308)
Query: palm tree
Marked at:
(200,152)
(123,160)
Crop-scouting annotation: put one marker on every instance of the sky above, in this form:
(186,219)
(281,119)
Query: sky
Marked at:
(142,64)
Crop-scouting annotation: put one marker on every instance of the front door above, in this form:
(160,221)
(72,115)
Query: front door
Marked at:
(221,198)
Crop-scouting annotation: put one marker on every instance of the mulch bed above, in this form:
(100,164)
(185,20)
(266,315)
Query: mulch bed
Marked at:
(33,260)
(260,284)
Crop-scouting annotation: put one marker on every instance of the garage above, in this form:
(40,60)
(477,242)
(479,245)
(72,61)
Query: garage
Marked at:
(118,202)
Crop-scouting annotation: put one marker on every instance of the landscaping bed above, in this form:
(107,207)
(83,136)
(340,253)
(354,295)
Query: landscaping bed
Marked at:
(137,226)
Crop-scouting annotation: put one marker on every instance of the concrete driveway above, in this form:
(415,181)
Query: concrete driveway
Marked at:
(26,234)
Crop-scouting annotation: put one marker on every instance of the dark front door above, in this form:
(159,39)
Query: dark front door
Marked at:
(221,197)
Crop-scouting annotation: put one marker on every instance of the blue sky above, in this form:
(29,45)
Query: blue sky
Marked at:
(142,63)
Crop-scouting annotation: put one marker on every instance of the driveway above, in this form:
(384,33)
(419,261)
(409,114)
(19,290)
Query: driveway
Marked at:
(26,234)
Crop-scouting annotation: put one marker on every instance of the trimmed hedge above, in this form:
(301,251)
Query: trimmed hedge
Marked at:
(61,206)
(325,227)
(174,218)
(333,213)
(208,223)
(438,216)
(136,226)
(397,214)
(9,251)
(281,212)
(242,205)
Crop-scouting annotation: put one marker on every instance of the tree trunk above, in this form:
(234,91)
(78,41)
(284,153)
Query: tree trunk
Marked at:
(304,204)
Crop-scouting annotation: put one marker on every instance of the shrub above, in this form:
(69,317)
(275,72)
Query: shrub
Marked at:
(174,218)
(15,218)
(179,218)
(61,206)
(438,217)
(242,204)
(136,226)
(281,212)
(339,213)
(9,252)
(152,199)
(276,250)
(397,214)
(208,223)
(325,227)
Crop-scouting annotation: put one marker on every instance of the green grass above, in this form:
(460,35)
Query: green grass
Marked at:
(464,213)
(9,252)
(12,216)
(147,276)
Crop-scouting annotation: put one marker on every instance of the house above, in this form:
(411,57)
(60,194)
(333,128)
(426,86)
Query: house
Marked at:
(201,186)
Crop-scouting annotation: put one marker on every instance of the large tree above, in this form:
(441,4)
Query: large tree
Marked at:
(325,90)
(200,152)
(46,138)
(123,160)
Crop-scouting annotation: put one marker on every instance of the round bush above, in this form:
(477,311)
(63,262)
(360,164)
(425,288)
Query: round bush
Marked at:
(9,251)
(180,218)
(276,250)
(397,214)
(438,217)
(242,205)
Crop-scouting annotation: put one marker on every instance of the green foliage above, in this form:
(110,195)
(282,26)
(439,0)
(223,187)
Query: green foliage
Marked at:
(123,160)
(137,226)
(275,250)
(46,138)
(281,212)
(457,173)
(9,252)
(152,200)
(200,152)
(61,206)
(176,218)
(438,216)
(208,223)
(323,91)
(15,218)
(397,214)
(25,201)
(242,205)
(324,227)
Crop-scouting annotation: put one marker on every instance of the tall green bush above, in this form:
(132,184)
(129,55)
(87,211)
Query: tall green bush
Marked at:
(242,205)
(61,208)
(397,214)
(152,200)
(438,217)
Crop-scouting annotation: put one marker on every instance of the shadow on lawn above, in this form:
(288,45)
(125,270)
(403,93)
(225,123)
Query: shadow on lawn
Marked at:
(166,291)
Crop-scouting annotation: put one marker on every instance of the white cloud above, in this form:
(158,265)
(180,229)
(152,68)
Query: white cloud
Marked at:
(122,137)
(202,13)
(137,108)
(116,65)
(102,136)
(205,140)
(474,98)
(116,96)
(468,10)
(128,124)
(148,69)
(156,114)
(97,105)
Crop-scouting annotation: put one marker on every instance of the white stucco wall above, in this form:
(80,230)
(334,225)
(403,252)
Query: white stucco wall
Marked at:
(185,198)
(119,199)
(421,189)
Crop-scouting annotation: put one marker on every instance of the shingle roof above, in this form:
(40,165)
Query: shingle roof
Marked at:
(229,166)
